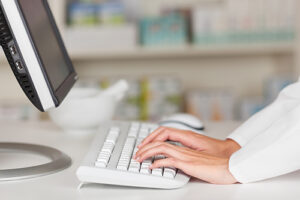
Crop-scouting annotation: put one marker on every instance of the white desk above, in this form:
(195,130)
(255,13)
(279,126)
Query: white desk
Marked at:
(63,185)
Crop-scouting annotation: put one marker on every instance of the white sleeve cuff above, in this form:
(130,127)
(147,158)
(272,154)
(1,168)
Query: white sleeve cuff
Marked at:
(234,170)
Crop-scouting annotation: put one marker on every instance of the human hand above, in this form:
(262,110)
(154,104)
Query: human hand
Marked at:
(203,166)
(204,144)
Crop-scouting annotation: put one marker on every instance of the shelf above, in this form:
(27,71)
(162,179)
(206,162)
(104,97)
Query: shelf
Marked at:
(178,52)
(184,51)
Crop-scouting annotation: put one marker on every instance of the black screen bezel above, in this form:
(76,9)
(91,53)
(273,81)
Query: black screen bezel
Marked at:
(60,93)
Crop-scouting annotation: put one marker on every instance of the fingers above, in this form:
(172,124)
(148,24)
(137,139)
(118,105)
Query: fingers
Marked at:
(213,170)
(159,149)
(168,162)
(151,136)
(168,150)
(162,146)
(163,134)
(146,147)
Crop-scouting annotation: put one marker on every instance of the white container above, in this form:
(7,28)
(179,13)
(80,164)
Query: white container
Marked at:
(85,108)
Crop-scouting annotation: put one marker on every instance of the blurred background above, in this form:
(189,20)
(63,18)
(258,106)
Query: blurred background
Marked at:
(217,59)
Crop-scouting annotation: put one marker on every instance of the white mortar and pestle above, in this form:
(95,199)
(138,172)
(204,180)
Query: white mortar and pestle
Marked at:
(85,108)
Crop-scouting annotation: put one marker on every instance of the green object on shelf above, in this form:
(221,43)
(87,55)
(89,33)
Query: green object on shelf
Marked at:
(166,30)
(82,14)
(112,13)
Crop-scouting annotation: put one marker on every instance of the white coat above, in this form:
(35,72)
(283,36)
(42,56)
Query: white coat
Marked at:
(270,140)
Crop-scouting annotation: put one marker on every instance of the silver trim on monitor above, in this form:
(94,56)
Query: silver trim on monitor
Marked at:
(28,53)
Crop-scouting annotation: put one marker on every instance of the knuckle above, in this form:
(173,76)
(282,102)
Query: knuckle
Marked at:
(164,134)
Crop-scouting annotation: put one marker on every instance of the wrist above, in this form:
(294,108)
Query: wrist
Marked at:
(230,147)
(229,176)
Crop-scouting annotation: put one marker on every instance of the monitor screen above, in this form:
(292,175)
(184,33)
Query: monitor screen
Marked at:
(46,42)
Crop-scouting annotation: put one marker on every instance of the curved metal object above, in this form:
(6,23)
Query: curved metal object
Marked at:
(59,161)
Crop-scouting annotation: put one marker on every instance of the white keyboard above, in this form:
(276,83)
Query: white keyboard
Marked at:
(109,160)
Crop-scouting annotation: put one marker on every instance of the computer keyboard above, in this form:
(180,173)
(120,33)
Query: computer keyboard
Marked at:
(109,160)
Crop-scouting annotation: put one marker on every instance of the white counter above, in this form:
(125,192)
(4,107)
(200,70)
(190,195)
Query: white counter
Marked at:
(63,185)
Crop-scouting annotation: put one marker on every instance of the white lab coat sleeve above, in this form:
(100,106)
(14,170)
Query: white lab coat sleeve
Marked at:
(270,147)
(260,122)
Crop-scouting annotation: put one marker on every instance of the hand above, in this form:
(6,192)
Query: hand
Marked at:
(220,148)
(206,167)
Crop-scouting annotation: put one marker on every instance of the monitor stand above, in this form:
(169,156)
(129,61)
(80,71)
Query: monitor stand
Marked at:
(59,161)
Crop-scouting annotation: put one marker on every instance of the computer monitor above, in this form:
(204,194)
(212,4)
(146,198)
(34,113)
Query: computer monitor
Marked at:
(37,55)
(36,52)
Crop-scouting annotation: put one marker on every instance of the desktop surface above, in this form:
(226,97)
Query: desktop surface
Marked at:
(63,185)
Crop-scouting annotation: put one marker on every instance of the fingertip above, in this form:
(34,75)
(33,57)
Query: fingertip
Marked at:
(136,156)
(138,159)
(142,143)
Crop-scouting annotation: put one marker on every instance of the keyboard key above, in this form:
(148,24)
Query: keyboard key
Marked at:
(100,164)
(134,166)
(169,172)
(103,160)
(134,169)
(112,137)
(135,163)
(103,157)
(124,162)
(145,166)
(108,147)
(114,129)
(157,172)
(122,167)
(148,161)
(145,170)
(103,154)
(135,125)
(133,133)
